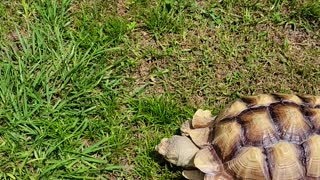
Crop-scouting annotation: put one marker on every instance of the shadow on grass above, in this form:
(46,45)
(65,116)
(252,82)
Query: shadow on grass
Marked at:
(154,155)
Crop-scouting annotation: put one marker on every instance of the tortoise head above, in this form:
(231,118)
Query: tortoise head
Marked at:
(193,150)
(178,150)
(181,151)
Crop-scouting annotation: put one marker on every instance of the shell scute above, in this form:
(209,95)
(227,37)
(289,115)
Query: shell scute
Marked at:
(285,161)
(312,147)
(232,110)
(227,139)
(249,163)
(291,122)
(312,101)
(259,128)
(288,98)
(314,116)
(259,100)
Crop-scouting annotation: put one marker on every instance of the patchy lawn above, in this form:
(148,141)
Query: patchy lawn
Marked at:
(88,88)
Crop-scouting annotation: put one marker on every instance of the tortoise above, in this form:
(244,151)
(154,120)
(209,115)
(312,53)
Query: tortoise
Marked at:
(267,136)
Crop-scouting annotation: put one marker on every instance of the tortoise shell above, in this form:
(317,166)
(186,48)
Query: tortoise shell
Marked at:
(268,136)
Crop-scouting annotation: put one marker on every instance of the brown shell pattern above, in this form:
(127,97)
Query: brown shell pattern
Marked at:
(270,136)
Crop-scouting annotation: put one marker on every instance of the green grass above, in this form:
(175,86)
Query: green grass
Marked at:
(165,17)
(89,88)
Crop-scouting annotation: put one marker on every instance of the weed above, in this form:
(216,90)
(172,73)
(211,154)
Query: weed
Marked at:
(310,11)
(164,18)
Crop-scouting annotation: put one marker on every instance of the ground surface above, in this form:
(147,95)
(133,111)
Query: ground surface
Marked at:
(88,88)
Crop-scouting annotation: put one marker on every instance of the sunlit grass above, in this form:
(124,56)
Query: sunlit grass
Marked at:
(88,88)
